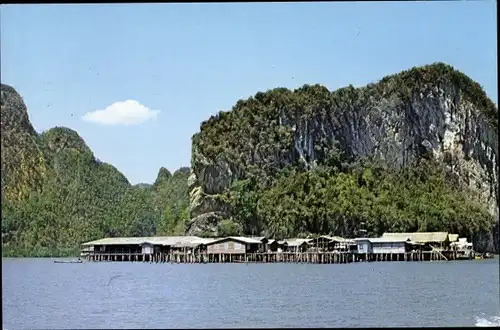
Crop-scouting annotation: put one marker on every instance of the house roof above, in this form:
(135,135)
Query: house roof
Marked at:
(201,241)
(388,240)
(420,237)
(146,243)
(337,239)
(246,240)
(180,245)
(361,239)
(155,240)
(259,238)
(381,239)
(462,241)
(297,241)
(453,237)
(340,239)
(192,241)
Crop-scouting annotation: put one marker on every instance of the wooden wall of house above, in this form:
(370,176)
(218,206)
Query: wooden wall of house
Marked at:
(226,247)
(389,247)
(273,247)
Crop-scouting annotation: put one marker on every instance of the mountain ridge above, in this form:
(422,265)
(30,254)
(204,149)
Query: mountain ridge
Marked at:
(56,194)
(433,111)
(416,151)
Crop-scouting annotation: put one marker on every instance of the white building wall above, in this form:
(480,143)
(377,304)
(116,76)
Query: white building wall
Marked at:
(147,249)
(389,247)
(364,247)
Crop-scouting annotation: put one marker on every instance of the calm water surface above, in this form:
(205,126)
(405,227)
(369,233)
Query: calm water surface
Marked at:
(40,294)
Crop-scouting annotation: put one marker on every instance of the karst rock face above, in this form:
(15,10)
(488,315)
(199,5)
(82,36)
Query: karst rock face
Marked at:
(433,110)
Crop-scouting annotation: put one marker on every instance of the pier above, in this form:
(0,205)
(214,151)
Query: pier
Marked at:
(320,250)
(272,257)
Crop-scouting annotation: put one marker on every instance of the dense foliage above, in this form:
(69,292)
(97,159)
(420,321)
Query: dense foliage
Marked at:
(283,193)
(57,195)
(362,199)
(263,121)
(23,164)
(171,199)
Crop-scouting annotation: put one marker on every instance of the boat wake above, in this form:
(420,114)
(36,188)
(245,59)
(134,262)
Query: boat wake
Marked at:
(493,321)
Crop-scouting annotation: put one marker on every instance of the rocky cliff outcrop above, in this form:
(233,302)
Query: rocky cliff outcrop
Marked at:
(426,110)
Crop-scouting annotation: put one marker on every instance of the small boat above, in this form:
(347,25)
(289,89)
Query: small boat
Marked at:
(68,261)
(485,256)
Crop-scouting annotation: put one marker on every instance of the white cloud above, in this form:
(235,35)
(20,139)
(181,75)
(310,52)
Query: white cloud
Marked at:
(128,112)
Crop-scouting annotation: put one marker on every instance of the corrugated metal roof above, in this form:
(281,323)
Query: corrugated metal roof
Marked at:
(247,240)
(146,243)
(182,245)
(157,240)
(387,240)
(337,239)
(204,240)
(380,239)
(420,237)
(297,241)
(259,238)
(190,241)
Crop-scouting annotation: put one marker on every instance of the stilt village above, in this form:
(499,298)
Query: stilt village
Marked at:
(320,250)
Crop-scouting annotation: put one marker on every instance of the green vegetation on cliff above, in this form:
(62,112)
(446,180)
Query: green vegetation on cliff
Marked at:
(257,119)
(364,196)
(282,192)
(172,200)
(57,195)
(23,163)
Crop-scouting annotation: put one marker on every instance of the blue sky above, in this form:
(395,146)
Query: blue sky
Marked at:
(168,67)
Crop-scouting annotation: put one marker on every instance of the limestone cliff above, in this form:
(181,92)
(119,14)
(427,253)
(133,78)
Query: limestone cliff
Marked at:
(426,110)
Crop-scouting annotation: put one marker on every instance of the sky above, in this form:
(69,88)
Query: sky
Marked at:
(136,80)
